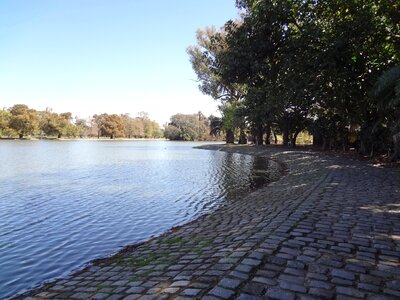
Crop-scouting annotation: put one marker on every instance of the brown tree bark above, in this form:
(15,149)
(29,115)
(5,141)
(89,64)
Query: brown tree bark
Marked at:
(230,136)
(260,134)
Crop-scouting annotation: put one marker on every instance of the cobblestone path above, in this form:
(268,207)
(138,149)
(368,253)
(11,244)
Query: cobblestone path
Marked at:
(329,229)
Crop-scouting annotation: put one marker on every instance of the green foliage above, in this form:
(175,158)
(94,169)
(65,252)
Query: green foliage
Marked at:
(387,94)
(205,60)
(23,120)
(172,133)
(187,127)
(52,124)
(20,120)
(308,65)
(5,117)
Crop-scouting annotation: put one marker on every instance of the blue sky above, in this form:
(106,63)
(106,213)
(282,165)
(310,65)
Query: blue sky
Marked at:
(115,56)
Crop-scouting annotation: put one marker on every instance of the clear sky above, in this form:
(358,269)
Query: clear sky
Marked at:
(114,56)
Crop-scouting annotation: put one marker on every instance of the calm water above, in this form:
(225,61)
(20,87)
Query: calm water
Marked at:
(65,203)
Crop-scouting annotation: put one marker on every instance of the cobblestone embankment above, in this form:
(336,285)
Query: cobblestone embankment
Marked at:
(329,229)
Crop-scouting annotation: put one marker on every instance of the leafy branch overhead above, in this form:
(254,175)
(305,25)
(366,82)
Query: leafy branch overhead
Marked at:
(328,67)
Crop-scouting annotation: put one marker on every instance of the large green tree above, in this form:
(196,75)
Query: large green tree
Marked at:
(204,59)
(5,117)
(23,120)
(310,65)
(188,127)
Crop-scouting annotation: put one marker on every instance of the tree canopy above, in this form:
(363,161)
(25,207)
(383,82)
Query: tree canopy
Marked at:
(323,66)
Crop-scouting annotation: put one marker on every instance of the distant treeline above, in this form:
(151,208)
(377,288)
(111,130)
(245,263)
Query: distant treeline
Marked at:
(22,121)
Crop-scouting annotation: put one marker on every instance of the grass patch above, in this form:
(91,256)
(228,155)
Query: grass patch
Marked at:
(137,262)
(172,241)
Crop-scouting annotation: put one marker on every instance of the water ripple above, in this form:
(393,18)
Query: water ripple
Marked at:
(72,202)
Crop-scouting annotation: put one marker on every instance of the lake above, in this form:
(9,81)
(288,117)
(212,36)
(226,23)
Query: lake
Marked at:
(64,203)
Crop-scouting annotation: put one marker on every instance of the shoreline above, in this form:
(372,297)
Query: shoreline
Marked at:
(268,243)
(215,146)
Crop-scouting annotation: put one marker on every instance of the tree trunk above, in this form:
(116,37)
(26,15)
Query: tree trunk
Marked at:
(317,140)
(324,143)
(371,154)
(111,136)
(396,143)
(21,135)
(59,136)
(331,143)
(294,138)
(230,136)
(275,137)
(268,135)
(242,137)
(260,134)
(285,136)
(345,140)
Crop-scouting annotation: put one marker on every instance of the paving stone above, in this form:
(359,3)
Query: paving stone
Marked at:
(277,293)
(320,284)
(181,283)
(296,264)
(265,280)
(394,284)
(368,287)
(239,275)
(136,290)
(244,296)
(191,292)
(100,296)
(343,274)
(132,297)
(170,290)
(290,278)
(321,293)
(340,281)
(292,287)
(230,283)
(395,293)
(254,288)
(221,292)
(80,296)
(349,291)
(115,297)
